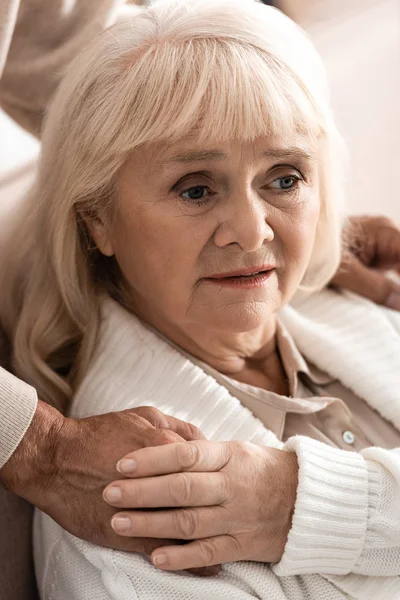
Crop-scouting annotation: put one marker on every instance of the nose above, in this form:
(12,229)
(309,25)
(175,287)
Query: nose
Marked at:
(244,221)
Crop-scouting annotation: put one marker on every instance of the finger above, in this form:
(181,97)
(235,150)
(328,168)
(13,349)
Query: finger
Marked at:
(160,420)
(182,524)
(200,455)
(369,283)
(187,431)
(133,544)
(201,553)
(160,437)
(147,545)
(176,490)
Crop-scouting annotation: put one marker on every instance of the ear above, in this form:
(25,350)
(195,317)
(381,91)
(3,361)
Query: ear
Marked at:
(101,235)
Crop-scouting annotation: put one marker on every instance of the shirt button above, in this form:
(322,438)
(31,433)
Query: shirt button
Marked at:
(349,437)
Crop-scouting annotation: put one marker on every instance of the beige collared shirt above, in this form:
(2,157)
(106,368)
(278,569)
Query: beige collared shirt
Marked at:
(318,406)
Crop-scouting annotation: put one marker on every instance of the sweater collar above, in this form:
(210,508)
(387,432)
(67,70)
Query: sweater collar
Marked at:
(343,335)
(352,340)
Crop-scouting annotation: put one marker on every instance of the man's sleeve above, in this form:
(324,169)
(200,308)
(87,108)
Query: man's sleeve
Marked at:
(46,36)
(18,402)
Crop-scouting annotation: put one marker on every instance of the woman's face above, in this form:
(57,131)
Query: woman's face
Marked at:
(190,218)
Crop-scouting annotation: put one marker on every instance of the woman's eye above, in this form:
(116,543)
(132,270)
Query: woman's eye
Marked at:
(285,183)
(196,194)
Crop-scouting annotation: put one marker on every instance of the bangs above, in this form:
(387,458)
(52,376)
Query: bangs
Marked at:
(215,89)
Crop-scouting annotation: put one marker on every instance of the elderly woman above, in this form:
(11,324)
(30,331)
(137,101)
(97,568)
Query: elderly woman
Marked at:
(189,187)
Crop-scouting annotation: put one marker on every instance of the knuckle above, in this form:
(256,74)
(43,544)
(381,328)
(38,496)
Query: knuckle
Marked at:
(164,436)
(195,432)
(207,553)
(245,448)
(180,489)
(234,547)
(190,431)
(187,454)
(135,421)
(226,489)
(148,412)
(142,411)
(186,522)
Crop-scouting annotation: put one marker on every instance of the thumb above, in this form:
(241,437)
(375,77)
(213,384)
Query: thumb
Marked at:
(367,282)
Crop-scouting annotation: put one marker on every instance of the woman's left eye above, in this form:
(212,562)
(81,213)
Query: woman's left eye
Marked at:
(196,194)
(285,183)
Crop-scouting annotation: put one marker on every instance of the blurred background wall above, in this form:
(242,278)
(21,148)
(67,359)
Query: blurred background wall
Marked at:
(359,41)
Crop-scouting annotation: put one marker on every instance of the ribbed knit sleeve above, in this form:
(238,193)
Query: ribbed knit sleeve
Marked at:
(381,551)
(331,510)
(347,512)
(18,403)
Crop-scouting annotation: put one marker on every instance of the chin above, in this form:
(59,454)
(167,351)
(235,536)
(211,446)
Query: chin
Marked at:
(239,318)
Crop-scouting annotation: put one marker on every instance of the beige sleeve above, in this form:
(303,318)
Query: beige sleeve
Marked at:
(18,402)
(40,39)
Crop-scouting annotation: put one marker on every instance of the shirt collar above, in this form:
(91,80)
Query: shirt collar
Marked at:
(295,364)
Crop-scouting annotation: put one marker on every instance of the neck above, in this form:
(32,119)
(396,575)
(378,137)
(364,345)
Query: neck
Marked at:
(250,357)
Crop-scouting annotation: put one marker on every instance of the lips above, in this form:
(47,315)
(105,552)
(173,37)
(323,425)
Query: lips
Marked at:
(245,272)
(243,279)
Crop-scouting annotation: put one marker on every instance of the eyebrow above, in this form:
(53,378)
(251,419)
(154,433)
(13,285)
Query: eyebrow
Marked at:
(193,156)
(190,156)
(295,151)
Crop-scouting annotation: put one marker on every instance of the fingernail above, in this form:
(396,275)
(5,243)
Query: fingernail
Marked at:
(126,466)
(393,301)
(112,494)
(121,524)
(159,560)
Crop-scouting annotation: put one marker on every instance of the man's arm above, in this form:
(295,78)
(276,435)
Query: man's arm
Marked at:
(62,465)
(18,402)
(37,41)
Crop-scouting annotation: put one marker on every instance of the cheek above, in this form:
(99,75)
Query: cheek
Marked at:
(307,223)
(157,253)
(298,237)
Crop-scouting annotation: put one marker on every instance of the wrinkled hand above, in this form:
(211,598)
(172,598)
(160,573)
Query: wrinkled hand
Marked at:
(62,466)
(374,247)
(235,499)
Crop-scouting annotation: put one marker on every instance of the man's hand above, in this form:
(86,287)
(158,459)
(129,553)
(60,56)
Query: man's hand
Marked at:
(374,247)
(234,499)
(62,466)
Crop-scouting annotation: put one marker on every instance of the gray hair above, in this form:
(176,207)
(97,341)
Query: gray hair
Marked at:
(217,69)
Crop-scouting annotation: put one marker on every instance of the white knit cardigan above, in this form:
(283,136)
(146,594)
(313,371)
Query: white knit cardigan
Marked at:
(345,536)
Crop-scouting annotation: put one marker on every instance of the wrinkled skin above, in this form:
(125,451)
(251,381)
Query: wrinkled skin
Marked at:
(209,483)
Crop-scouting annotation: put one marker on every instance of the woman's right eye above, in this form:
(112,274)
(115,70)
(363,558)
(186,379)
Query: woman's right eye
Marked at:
(197,194)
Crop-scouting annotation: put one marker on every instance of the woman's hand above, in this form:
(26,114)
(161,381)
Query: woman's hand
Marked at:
(235,499)
(373,247)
